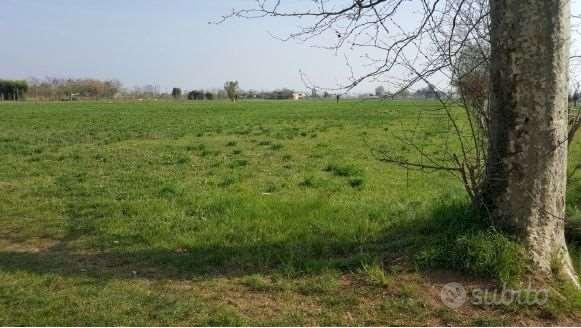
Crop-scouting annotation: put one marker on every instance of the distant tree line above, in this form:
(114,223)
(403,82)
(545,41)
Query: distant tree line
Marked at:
(231,91)
(73,89)
(13,90)
(67,89)
(425,93)
(277,94)
(202,95)
(61,89)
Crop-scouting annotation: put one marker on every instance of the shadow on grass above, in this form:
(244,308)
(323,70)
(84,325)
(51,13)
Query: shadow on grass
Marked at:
(450,238)
(154,264)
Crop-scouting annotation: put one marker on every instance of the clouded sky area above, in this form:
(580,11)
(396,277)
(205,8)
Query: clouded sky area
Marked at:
(167,43)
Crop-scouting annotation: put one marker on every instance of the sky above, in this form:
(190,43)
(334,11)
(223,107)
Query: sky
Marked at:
(159,42)
(168,43)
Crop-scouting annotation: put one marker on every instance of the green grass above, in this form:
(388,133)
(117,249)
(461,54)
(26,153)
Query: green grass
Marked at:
(211,213)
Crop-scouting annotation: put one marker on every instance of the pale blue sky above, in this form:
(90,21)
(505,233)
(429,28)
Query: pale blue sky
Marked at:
(168,43)
(163,42)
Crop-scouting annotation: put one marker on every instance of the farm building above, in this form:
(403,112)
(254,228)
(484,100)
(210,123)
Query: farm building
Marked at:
(298,95)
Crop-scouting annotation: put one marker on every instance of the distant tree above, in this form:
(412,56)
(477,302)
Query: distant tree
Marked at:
(176,93)
(209,96)
(196,95)
(282,94)
(221,94)
(111,88)
(231,88)
(380,91)
(471,79)
(150,91)
(426,93)
(67,89)
(403,94)
(314,93)
(251,94)
(326,94)
(13,90)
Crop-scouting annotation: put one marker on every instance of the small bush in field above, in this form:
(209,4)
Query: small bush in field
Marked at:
(343,170)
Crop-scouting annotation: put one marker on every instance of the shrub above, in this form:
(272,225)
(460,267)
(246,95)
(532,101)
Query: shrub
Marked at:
(375,274)
(346,170)
(238,163)
(276,147)
(357,182)
(308,182)
(483,253)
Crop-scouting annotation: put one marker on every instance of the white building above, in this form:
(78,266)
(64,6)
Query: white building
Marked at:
(298,95)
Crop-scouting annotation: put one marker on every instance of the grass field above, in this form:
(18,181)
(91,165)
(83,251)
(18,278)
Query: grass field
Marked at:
(258,213)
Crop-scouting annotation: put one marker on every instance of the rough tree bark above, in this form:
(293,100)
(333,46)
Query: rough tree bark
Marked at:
(527,168)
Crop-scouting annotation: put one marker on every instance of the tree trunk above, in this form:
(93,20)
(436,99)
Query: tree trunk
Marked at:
(527,166)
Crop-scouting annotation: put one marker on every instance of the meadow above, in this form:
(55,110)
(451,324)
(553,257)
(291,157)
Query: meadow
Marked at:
(254,213)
